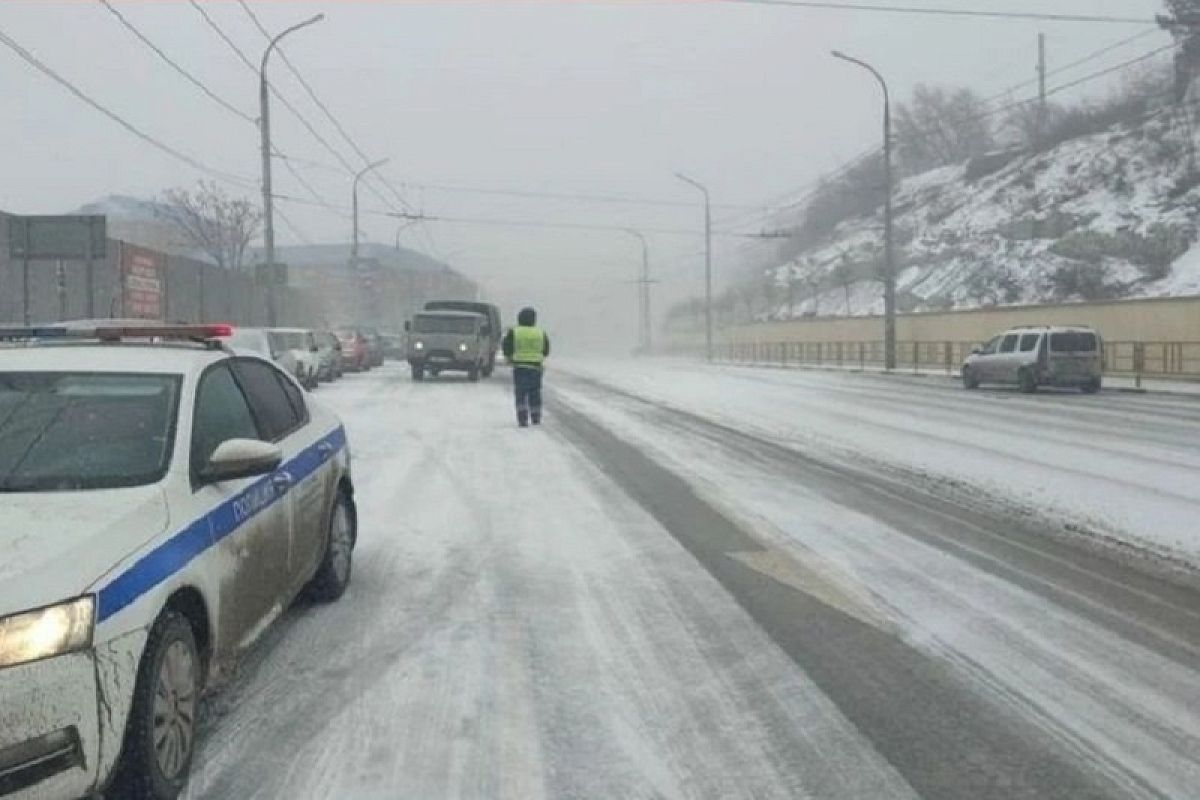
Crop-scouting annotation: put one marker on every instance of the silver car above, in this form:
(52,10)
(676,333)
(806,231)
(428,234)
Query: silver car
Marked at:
(445,341)
(1030,357)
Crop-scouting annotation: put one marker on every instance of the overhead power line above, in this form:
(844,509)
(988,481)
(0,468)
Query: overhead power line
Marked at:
(618,199)
(274,92)
(189,77)
(1092,56)
(312,94)
(584,226)
(195,163)
(1041,16)
(369,180)
(142,37)
(1069,85)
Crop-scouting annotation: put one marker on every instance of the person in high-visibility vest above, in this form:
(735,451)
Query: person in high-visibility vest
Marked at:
(526,347)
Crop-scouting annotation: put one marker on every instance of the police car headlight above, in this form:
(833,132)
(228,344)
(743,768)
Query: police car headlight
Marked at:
(462,347)
(418,346)
(47,632)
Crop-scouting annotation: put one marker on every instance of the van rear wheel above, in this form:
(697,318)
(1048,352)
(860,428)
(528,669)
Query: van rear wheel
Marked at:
(1027,381)
(1092,386)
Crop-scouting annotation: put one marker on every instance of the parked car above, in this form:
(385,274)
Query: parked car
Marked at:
(249,340)
(393,345)
(444,341)
(354,350)
(277,344)
(374,344)
(296,350)
(492,329)
(1030,357)
(329,356)
(211,493)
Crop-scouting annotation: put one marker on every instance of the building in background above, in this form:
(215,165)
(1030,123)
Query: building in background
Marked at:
(384,289)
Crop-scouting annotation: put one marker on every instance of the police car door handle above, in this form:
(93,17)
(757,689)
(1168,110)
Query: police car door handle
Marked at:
(282,481)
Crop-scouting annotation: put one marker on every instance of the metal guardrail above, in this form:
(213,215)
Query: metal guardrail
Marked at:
(1157,360)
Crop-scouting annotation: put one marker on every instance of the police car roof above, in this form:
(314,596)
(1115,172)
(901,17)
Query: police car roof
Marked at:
(133,357)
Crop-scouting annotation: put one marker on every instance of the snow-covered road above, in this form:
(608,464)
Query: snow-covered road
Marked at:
(1117,466)
(649,601)
(517,627)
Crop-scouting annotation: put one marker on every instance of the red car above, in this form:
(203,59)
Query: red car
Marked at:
(355,356)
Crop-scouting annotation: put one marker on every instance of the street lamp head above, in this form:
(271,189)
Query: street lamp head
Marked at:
(838,54)
(316,18)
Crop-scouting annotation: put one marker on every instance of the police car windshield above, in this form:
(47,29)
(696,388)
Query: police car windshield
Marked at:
(437,324)
(63,431)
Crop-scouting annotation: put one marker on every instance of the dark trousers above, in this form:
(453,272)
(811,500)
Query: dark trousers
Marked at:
(527,383)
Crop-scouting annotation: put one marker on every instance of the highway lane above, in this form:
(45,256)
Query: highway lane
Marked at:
(643,601)
(948,632)
(1122,470)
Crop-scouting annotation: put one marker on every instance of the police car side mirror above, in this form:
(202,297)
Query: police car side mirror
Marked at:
(240,458)
(976,351)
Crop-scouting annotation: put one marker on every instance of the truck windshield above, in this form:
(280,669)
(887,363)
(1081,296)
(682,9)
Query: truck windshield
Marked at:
(463,325)
(65,431)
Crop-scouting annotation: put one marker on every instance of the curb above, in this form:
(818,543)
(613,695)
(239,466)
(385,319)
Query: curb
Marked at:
(899,373)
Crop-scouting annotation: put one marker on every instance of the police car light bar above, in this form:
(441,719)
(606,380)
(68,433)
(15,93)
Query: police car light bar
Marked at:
(115,333)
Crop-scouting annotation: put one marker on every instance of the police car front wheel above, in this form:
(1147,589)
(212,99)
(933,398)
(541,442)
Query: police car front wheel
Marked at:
(160,736)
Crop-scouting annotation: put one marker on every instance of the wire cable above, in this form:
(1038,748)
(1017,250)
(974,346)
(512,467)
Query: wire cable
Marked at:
(329,114)
(144,39)
(195,163)
(189,77)
(948,12)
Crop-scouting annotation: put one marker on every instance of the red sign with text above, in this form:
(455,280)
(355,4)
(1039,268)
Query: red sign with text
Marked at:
(142,282)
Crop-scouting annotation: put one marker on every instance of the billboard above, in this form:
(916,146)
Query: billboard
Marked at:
(142,274)
(54,237)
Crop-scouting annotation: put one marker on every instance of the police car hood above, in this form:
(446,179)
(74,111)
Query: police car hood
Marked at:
(55,545)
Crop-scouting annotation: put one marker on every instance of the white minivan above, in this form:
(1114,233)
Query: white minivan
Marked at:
(1030,357)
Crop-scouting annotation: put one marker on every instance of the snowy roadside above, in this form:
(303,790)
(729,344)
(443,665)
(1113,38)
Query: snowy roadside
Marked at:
(1119,470)
(1119,383)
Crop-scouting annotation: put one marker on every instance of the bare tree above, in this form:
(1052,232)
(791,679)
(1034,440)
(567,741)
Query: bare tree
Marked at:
(940,126)
(214,222)
(845,276)
(1180,20)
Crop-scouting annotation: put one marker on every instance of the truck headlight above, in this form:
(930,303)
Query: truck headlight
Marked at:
(463,347)
(47,632)
(418,345)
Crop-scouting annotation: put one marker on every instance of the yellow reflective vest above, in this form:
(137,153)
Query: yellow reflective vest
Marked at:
(529,346)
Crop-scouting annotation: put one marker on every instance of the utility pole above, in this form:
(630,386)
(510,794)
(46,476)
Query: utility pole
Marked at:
(708,302)
(889,255)
(264,126)
(644,324)
(1041,70)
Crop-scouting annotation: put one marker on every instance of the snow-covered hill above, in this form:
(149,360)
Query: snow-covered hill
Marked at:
(1113,214)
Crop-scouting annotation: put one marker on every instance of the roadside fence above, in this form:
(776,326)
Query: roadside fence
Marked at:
(1138,360)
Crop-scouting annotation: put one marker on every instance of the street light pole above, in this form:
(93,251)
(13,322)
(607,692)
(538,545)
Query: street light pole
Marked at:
(264,127)
(889,275)
(644,324)
(354,203)
(708,303)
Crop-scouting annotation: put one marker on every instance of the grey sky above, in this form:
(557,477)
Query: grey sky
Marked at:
(563,97)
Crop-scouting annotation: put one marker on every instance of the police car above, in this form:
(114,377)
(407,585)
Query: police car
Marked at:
(162,500)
